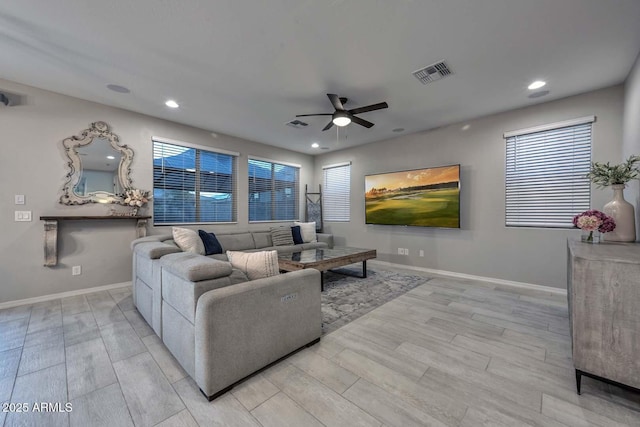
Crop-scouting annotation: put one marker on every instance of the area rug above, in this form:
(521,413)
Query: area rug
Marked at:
(346,297)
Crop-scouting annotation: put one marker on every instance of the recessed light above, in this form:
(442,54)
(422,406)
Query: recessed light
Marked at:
(398,130)
(110,157)
(315,145)
(536,85)
(466,127)
(118,88)
(171,104)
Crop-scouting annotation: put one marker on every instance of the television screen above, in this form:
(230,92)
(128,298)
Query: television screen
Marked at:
(427,197)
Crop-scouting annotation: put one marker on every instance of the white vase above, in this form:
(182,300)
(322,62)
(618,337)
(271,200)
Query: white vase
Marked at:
(622,213)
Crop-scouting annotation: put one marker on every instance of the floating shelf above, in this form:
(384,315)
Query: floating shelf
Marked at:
(51,231)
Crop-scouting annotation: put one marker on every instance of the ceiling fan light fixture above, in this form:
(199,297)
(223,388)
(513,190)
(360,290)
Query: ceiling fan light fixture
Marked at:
(340,118)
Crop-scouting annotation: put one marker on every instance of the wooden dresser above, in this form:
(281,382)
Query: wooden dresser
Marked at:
(604,311)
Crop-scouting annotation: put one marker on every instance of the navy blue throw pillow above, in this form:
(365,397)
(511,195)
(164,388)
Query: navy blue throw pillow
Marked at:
(297,235)
(211,244)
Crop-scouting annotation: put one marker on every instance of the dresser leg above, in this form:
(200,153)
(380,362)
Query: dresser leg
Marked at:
(578,379)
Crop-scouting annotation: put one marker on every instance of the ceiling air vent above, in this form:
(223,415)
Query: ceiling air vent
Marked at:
(433,72)
(298,124)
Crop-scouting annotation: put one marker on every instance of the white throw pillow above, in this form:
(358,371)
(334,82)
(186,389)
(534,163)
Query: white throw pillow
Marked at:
(255,265)
(188,240)
(308,231)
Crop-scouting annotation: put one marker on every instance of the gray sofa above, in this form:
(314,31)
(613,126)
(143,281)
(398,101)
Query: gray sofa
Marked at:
(147,252)
(220,326)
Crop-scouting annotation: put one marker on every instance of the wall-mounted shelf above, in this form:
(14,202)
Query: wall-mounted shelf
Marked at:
(51,231)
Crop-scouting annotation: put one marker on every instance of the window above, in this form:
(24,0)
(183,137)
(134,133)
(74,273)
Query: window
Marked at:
(192,185)
(336,197)
(273,191)
(546,183)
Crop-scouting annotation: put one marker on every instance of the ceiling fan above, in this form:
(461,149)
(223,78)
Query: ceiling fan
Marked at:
(342,117)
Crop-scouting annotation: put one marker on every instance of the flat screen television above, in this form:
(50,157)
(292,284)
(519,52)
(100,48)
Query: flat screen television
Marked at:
(427,197)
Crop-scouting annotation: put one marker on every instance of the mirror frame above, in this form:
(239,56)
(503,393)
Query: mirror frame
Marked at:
(74,163)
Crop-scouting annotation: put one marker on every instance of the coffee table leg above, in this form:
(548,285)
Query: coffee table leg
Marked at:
(364,269)
(322,281)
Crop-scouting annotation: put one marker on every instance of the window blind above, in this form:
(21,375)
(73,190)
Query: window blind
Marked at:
(337,192)
(273,191)
(192,185)
(546,183)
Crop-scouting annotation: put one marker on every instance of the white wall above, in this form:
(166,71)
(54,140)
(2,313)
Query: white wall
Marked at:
(631,133)
(33,164)
(483,246)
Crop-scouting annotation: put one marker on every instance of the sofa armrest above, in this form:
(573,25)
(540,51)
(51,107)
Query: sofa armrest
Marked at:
(242,328)
(195,268)
(326,238)
(155,249)
(156,238)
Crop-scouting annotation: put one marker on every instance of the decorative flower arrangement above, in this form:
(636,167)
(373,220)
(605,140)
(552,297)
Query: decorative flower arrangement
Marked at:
(136,197)
(604,175)
(594,220)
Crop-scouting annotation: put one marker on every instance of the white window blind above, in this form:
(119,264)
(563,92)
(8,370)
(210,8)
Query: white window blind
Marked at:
(546,183)
(192,185)
(273,191)
(336,195)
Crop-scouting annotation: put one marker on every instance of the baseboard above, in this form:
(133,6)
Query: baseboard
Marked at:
(50,297)
(512,283)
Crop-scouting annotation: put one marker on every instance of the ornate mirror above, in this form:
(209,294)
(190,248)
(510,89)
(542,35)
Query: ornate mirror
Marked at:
(99,167)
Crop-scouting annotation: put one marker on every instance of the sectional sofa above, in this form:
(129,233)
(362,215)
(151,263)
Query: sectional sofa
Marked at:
(218,324)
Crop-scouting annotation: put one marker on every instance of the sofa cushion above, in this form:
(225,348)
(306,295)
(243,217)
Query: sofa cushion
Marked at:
(236,241)
(308,231)
(195,268)
(297,235)
(188,240)
(281,236)
(262,239)
(211,244)
(255,265)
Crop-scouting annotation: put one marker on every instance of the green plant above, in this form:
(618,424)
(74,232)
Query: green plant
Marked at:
(604,174)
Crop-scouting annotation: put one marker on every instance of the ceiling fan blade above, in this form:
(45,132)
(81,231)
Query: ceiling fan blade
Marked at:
(328,126)
(373,107)
(360,121)
(309,115)
(335,100)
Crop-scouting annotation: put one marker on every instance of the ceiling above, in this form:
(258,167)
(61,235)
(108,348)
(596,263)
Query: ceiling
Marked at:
(245,68)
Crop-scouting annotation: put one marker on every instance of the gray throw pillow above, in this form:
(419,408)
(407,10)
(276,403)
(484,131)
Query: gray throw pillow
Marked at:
(281,236)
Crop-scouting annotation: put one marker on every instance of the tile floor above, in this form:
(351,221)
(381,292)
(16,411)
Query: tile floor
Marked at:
(448,353)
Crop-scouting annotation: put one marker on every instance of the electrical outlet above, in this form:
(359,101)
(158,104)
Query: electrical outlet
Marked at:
(421,252)
(400,251)
(76,270)
(19,199)
(23,215)
(406,251)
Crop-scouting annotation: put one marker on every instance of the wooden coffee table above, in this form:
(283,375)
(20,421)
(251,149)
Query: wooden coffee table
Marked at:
(325,259)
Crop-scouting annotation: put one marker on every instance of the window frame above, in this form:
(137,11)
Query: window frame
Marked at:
(273,190)
(532,198)
(327,195)
(197,172)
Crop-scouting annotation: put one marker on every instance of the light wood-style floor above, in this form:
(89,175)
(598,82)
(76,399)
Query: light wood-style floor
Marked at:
(448,353)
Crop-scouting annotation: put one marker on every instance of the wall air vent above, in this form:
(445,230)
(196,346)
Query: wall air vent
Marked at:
(433,72)
(8,99)
(298,124)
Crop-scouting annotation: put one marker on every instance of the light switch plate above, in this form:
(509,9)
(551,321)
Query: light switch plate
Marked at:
(23,216)
(19,199)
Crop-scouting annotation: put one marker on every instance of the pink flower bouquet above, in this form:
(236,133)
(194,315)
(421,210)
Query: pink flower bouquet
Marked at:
(594,220)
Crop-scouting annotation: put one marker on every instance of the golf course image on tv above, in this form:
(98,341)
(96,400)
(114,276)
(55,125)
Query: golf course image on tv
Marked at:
(427,197)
